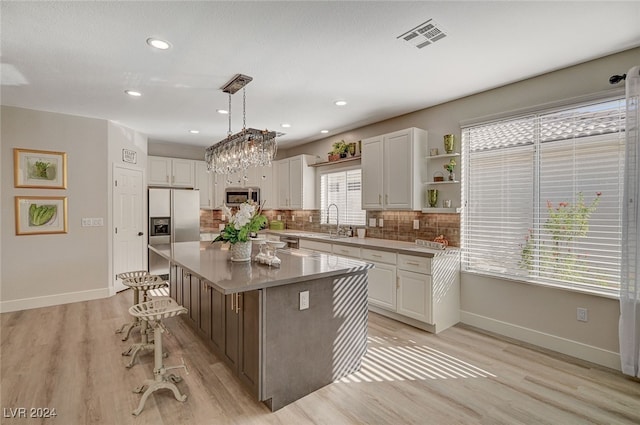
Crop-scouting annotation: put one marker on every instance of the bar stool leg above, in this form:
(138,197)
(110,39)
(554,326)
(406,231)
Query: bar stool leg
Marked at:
(136,323)
(161,378)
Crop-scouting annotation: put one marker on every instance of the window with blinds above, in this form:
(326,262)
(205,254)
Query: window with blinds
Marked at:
(542,197)
(344,189)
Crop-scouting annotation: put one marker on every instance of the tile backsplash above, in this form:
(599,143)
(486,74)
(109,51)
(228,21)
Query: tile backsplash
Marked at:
(397,225)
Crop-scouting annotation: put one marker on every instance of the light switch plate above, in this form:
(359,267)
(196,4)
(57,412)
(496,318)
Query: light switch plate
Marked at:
(86,222)
(416,224)
(304,300)
(372,222)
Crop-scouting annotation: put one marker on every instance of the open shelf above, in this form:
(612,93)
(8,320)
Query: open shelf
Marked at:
(440,210)
(340,161)
(444,182)
(444,155)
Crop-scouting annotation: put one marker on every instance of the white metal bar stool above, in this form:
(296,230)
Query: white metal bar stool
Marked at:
(142,285)
(152,312)
(128,327)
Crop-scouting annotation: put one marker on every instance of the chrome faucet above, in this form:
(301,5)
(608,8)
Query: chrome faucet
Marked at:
(337,219)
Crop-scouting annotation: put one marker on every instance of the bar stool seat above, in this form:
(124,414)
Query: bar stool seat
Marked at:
(128,327)
(142,285)
(153,312)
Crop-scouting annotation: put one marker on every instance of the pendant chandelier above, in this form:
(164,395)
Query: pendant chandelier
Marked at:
(247,148)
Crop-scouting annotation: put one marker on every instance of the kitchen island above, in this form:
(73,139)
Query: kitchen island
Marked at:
(253,316)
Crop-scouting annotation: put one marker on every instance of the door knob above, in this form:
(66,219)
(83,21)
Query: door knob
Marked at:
(140,233)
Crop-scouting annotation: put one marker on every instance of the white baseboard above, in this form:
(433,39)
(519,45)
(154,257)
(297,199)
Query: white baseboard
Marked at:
(569,347)
(50,300)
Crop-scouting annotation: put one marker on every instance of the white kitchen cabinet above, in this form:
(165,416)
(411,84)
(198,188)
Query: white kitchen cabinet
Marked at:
(393,170)
(414,295)
(172,172)
(315,245)
(295,187)
(204,183)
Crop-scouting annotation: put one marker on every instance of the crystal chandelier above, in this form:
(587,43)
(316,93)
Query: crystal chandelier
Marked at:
(247,148)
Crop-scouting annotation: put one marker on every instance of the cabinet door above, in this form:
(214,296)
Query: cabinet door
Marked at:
(249,338)
(194,293)
(231,326)
(295,183)
(382,286)
(398,170)
(282,187)
(204,309)
(414,295)
(178,280)
(219,185)
(217,317)
(183,173)
(267,190)
(204,184)
(173,282)
(159,170)
(372,173)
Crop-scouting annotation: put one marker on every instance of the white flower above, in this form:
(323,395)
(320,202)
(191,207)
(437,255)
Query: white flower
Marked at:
(243,216)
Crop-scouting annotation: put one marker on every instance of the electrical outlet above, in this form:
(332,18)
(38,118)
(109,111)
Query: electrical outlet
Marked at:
(583,314)
(304,300)
(279,217)
(416,224)
(310,219)
(86,222)
(380,222)
(223,217)
(293,217)
(372,222)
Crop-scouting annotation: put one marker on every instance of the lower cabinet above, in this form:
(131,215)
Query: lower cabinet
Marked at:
(414,295)
(229,323)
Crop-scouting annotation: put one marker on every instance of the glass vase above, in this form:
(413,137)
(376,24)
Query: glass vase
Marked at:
(240,251)
(432,197)
(449,143)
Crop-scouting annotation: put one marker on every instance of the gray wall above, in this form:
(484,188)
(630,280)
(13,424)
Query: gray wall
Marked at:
(41,270)
(540,315)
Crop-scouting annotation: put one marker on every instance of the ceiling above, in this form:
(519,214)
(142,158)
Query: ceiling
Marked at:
(79,58)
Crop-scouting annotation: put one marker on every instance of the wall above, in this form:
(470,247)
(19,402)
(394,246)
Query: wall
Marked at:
(174,150)
(540,315)
(42,270)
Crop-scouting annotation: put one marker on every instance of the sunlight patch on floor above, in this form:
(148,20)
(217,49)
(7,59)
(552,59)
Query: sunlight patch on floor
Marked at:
(388,360)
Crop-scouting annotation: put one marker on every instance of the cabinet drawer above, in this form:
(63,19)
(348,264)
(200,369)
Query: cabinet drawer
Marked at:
(414,264)
(379,256)
(315,245)
(347,251)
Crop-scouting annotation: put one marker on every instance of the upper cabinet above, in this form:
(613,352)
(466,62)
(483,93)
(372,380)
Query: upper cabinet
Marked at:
(173,172)
(204,183)
(295,183)
(393,169)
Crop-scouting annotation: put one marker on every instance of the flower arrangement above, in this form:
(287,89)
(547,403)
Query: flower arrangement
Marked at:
(248,219)
(450,165)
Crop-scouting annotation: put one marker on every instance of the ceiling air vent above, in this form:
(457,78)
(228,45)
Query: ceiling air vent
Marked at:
(424,34)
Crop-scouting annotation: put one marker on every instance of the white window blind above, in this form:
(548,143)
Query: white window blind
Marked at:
(344,189)
(543,197)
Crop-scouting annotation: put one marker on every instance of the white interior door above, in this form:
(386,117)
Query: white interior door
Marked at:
(129,240)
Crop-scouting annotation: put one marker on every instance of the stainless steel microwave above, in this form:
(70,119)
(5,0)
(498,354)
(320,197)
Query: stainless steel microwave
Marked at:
(235,196)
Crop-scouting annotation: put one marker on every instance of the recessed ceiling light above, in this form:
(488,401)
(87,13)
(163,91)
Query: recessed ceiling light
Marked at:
(194,131)
(222,111)
(157,43)
(324,131)
(133,93)
(340,102)
(285,125)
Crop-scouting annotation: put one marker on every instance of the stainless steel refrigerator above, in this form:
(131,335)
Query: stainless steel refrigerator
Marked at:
(174,216)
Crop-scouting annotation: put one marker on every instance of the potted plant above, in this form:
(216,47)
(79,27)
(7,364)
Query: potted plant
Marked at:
(248,219)
(339,150)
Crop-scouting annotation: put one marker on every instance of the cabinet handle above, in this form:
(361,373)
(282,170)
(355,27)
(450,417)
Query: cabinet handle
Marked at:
(376,255)
(238,303)
(233,298)
(167,179)
(379,199)
(386,199)
(411,263)
(397,282)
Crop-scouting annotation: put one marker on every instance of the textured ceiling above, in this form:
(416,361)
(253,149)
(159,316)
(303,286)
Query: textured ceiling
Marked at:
(79,57)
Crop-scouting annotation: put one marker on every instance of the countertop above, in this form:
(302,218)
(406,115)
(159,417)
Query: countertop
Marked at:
(211,263)
(373,243)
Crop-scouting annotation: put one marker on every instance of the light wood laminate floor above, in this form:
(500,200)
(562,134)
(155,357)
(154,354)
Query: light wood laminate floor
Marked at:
(67,357)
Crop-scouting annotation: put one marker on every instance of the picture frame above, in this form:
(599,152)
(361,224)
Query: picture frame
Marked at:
(39,169)
(39,215)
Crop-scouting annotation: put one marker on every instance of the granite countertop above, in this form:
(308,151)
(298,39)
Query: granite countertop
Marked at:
(373,243)
(211,263)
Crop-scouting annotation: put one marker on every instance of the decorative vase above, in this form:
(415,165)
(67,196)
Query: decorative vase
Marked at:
(240,251)
(452,176)
(449,143)
(432,197)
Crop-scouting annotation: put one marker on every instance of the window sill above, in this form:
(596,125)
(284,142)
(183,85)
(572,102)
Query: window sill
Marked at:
(613,294)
